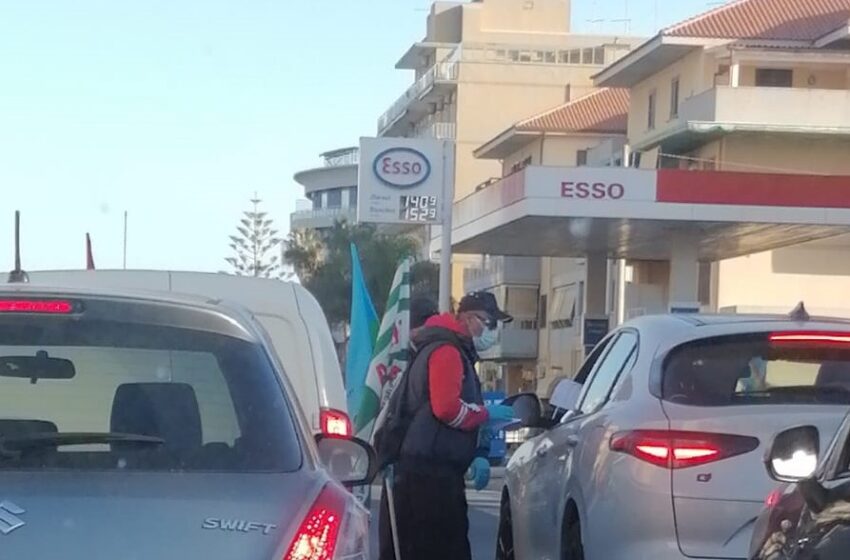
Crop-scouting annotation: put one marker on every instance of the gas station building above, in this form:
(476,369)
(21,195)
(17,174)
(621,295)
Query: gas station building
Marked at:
(710,171)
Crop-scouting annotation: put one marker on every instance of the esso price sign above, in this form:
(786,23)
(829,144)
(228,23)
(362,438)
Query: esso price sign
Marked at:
(402,168)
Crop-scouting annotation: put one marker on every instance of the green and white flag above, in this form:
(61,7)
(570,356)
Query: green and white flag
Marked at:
(389,359)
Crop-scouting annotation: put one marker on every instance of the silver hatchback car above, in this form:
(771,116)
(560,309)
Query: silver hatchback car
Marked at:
(655,449)
(135,427)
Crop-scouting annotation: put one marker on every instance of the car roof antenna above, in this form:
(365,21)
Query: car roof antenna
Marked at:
(799,313)
(18,276)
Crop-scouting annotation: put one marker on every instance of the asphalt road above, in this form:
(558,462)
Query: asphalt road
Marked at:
(483,521)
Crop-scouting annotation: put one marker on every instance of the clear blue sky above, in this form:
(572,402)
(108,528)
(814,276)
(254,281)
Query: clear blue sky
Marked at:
(178,111)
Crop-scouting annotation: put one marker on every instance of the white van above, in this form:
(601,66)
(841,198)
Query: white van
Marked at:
(286,312)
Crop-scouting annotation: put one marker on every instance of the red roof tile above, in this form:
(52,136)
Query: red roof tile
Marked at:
(605,110)
(775,20)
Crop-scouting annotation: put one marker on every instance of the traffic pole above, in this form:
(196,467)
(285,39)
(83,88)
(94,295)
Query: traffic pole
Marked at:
(389,477)
(446,234)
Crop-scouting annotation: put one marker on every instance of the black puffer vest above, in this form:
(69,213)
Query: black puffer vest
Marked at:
(430,445)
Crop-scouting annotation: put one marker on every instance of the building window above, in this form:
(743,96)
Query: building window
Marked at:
(542,310)
(599,55)
(674,98)
(520,165)
(317,200)
(352,197)
(650,119)
(774,77)
(335,198)
(581,158)
(565,307)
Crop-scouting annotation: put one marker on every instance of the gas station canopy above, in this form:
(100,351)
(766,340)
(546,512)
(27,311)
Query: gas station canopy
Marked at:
(641,214)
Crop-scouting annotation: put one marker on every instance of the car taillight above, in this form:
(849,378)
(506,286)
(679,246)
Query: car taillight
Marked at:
(678,449)
(773,499)
(335,423)
(37,306)
(318,534)
(809,338)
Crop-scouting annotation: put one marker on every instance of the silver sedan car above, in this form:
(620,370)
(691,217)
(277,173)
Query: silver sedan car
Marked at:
(655,448)
(135,427)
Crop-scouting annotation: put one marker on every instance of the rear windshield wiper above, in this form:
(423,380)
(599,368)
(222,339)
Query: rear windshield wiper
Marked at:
(13,447)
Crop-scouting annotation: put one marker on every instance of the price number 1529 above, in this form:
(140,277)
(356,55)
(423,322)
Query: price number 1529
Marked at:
(418,208)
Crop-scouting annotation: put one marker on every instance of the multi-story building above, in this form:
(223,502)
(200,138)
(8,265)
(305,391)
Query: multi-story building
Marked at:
(331,190)
(484,65)
(550,296)
(754,86)
(738,119)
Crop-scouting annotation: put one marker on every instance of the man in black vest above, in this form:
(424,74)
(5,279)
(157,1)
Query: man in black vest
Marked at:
(445,403)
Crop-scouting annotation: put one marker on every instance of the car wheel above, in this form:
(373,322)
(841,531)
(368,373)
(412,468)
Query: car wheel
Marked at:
(505,538)
(572,547)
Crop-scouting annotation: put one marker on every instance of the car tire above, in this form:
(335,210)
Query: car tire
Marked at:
(505,536)
(572,548)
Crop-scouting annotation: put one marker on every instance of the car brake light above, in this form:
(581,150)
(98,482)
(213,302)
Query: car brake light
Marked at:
(677,449)
(335,423)
(810,338)
(773,499)
(318,534)
(38,306)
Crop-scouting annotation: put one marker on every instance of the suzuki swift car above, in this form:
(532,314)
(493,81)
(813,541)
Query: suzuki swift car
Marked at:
(141,427)
(655,449)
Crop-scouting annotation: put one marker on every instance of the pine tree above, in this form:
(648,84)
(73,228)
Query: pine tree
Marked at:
(256,246)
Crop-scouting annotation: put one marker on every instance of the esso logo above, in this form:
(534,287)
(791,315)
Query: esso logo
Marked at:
(402,168)
(595,191)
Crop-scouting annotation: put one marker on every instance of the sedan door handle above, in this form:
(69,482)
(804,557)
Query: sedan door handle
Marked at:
(543,450)
(571,441)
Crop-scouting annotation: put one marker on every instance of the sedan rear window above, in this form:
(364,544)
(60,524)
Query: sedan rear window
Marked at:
(93,394)
(772,368)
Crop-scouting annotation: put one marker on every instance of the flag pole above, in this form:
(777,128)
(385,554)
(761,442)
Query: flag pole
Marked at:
(125,240)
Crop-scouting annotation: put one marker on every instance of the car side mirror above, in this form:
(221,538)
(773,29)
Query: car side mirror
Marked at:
(350,461)
(793,455)
(566,394)
(527,408)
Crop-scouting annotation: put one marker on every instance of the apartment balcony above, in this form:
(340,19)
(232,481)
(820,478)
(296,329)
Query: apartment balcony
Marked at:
(727,109)
(440,131)
(341,158)
(414,103)
(517,341)
(501,271)
(321,218)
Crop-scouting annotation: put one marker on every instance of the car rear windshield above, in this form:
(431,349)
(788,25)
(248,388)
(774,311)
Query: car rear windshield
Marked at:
(772,368)
(100,391)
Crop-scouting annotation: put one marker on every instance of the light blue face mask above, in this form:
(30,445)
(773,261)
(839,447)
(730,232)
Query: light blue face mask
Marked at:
(486,340)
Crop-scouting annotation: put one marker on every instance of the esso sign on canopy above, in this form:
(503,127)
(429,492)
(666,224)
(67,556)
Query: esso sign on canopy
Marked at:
(593,191)
(402,168)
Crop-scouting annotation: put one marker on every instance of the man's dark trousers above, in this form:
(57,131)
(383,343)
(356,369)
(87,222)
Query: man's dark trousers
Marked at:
(431,515)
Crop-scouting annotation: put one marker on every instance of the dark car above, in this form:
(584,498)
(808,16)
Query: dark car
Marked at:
(808,517)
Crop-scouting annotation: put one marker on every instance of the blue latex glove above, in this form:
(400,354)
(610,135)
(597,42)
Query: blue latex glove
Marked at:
(500,414)
(479,473)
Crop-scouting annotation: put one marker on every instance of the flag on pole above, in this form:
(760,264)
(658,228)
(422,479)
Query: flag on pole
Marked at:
(364,328)
(389,360)
(89,254)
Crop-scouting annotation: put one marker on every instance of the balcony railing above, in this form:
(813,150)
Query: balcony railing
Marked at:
(440,131)
(342,158)
(442,72)
(499,271)
(771,107)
